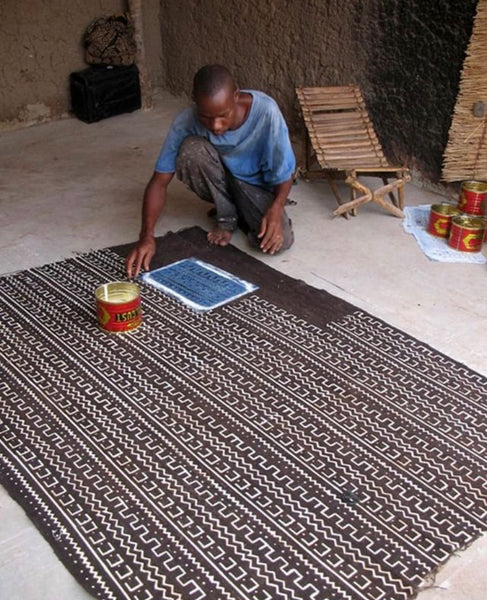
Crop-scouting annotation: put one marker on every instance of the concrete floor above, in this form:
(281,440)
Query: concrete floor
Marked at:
(68,187)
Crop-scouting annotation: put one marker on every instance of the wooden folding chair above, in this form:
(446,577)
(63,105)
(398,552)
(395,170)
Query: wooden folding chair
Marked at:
(341,137)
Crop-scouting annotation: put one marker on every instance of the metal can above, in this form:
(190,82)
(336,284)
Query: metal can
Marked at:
(440,219)
(473,197)
(118,306)
(467,233)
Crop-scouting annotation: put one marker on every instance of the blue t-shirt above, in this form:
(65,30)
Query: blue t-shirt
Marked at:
(258,152)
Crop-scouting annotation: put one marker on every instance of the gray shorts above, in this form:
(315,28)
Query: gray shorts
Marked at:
(237,203)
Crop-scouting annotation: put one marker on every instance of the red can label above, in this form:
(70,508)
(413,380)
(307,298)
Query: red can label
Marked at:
(472,198)
(439,225)
(466,240)
(440,219)
(118,307)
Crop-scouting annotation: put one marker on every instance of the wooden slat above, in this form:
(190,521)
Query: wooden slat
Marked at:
(345,165)
(324,114)
(338,154)
(336,131)
(325,142)
(338,124)
(330,153)
(343,139)
(387,169)
(338,118)
(340,128)
(327,98)
(332,103)
(335,100)
(326,120)
(352,144)
(326,90)
(350,135)
(356,163)
(333,107)
(347,94)
(351,153)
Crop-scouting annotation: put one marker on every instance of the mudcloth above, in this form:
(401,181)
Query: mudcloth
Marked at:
(284,446)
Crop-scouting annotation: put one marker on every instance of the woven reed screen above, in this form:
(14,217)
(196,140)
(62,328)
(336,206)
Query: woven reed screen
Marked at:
(465,156)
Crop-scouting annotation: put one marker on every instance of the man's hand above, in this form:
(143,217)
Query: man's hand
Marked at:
(271,230)
(140,256)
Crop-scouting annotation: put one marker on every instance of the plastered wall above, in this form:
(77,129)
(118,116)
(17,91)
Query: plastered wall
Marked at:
(271,45)
(41,44)
(407,56)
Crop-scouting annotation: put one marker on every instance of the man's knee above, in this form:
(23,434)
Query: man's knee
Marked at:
(195,150)
(288,234)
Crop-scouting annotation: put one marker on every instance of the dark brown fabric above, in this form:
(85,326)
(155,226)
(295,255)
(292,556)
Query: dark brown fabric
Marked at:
(286,445)
(274,286)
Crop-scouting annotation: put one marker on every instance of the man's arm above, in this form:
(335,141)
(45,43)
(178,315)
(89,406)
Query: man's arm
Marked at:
(271,228)
(154,200)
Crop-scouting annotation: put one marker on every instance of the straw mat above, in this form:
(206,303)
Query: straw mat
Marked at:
(465,155)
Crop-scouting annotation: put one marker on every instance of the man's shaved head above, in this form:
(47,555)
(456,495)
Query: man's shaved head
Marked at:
(211,79)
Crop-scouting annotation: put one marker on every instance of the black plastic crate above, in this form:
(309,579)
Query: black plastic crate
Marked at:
(103,91)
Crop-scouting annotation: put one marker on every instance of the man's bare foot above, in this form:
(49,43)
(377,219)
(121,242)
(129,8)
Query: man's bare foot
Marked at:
(219,237)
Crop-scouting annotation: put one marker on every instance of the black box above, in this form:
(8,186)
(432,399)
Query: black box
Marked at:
(102,91)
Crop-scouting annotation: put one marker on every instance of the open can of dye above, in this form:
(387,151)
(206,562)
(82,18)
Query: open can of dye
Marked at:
(118,306)
(467,233)
(440,219)
(473,197)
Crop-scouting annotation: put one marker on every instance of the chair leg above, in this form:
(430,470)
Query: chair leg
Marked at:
(353,195)
(406,177)
(393,198)
(386,189)
(367,196)
(336,193)
(400,195)
(306,151)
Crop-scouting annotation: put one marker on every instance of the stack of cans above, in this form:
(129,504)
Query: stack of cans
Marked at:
(464,226)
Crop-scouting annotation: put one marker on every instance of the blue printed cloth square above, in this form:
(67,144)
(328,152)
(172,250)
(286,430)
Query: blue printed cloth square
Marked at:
(198,284)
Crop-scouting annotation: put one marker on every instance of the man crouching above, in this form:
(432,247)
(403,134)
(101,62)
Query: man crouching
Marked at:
(231,148)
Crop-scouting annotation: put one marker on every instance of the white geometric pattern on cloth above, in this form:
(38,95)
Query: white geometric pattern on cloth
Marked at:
(239,454)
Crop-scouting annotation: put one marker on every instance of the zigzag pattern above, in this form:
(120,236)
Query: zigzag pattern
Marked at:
(240,454)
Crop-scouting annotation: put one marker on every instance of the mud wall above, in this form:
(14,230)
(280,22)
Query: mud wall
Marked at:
(407,56)
(41,44)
